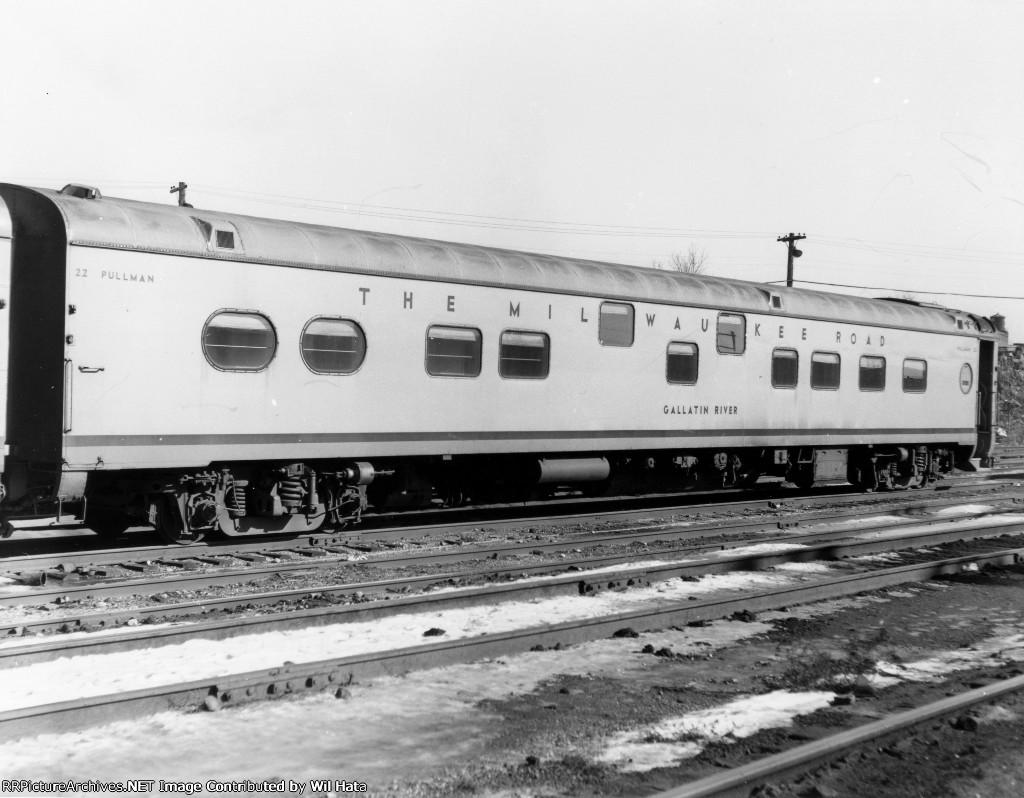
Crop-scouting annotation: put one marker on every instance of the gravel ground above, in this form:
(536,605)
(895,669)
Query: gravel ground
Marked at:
(627,716)
(960,633)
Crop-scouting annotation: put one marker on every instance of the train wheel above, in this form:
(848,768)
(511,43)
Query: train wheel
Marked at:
(453,497)
(803,478)
(170,524)
(748,479)
(107,523)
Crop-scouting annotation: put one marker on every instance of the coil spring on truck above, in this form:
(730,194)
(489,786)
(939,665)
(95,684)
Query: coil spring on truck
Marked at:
(234,498)
(291,491)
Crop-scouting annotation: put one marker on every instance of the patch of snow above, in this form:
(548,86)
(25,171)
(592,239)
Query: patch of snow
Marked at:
(1007,645)
(883,558)
(390,728)
(12,587)
(757,548)
(1003,519)
(683,737)
(99,674)
(964,509)
(998,714)
(856,522)
(622,566)
(813,567)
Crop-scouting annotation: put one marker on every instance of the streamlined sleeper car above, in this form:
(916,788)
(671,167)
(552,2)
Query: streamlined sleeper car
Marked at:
(205,372)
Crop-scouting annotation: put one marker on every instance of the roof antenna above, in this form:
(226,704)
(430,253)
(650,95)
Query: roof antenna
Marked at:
(180,191)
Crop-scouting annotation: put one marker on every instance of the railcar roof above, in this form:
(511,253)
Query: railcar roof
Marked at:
(128,224)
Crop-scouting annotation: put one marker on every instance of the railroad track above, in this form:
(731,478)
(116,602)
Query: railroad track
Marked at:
(1008,457)
(618,544)
(97,566)
(73,543)
(744,778)
(233,688)
(565,577)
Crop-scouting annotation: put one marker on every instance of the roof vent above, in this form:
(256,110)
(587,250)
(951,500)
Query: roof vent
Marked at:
(82,192)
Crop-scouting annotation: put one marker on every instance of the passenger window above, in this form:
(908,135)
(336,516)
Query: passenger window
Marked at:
(615,327)
(785,368)
(966,378)
(872,373)
(239,341)
(915,375)
(732,333)
(681,363)
(333,346)
(524,355)
(824,371)
(453,351)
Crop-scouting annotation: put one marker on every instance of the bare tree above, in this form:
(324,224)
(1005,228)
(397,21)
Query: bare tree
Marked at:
(695,261)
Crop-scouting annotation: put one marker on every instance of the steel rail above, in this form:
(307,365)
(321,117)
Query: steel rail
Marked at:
(239,688)
(662,503)
(567,585)
(811,754)
(842,543)
(556,511)
(112,555)
(606,537)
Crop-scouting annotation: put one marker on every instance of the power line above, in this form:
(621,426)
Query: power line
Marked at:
(858,243)
(906,290)
(479,220)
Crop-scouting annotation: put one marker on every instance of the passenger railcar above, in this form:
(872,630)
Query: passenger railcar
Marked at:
(206,372)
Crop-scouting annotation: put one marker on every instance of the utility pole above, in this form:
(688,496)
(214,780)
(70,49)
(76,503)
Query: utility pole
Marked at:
(180,191)
(792,252)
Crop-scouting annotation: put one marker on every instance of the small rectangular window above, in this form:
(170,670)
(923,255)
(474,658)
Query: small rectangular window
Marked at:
(915,375)
(824,371)
(615,327)
(785,368)
(681,362)
(872,373)
(453,351)
(732,333)
(218,234)
(524,355)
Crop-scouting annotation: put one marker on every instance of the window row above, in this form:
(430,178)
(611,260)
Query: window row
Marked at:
(825,371)
(246,341)
(682,364)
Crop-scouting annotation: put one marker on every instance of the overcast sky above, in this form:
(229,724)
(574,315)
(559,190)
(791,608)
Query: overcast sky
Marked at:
(891,133)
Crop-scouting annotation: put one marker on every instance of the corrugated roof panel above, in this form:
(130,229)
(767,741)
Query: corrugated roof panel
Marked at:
(335,249)
(146,226)
(476,264)
(388,254)
(274,242)
(518,269)
(436,256)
